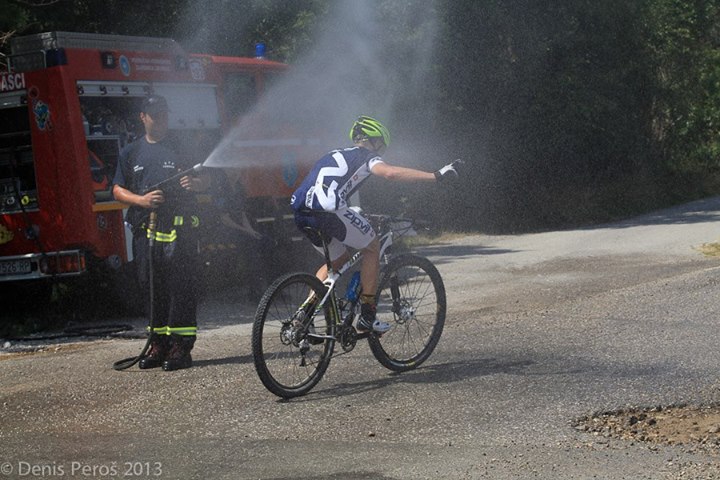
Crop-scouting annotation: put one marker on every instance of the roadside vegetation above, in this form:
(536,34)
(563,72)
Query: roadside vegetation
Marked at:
(710,249)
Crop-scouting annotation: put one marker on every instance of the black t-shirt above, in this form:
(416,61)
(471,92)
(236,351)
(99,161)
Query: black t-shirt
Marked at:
(142,165)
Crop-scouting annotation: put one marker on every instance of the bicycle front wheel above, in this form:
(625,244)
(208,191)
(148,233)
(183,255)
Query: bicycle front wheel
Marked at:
(411,298)
(290,358)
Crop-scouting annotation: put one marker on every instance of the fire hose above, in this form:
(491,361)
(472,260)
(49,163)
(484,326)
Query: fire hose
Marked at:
(130,361)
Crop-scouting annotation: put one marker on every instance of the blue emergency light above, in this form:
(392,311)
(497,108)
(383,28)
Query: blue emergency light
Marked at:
(260,50)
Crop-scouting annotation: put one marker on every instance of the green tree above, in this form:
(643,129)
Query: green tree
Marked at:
(684,38)
(225,27)
(13,18)
(551,94)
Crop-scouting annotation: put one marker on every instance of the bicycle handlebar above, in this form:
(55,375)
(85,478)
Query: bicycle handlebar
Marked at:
(398,224)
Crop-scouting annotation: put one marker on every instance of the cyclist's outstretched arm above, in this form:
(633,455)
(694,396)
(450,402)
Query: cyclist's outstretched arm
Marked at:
(404,174)
(401,174)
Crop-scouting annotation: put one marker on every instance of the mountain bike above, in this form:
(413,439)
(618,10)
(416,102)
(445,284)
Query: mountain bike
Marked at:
(300,318)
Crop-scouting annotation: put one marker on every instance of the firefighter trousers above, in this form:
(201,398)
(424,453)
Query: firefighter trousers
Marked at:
(175,294)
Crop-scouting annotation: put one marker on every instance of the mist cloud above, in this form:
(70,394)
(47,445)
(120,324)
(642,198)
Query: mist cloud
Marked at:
(367,58)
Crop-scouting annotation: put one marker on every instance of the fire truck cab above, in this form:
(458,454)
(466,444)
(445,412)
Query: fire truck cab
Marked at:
(69,102)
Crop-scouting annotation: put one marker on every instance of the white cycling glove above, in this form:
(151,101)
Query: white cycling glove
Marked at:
(448,171)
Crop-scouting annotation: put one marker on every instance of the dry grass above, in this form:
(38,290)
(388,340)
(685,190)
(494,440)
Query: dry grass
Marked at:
(710,249)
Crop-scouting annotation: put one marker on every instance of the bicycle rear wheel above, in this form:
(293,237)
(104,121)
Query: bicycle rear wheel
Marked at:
(411,298)
(288,359)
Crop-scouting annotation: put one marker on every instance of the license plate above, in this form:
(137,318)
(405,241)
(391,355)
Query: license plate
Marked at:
(13,267)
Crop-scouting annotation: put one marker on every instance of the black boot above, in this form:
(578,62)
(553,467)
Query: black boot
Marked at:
(179,355)
(159,345)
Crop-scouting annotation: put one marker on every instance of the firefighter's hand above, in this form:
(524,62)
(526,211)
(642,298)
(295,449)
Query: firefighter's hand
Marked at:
(153,199)
(193,183)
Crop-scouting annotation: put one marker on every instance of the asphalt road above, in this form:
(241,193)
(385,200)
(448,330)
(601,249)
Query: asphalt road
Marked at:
(542,329)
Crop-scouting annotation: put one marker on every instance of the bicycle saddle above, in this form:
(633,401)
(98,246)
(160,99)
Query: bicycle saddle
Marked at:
(316,236)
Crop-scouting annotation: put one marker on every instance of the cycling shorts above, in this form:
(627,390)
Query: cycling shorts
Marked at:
(345,226)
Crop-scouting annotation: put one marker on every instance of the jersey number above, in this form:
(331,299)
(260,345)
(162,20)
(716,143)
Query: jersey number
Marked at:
(328,201)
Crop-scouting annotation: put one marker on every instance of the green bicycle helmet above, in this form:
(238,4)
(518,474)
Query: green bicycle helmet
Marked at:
(367,127)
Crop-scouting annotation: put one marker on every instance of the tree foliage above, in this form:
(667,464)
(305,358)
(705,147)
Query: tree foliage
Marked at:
(224,27)
(684,37)
(566,111)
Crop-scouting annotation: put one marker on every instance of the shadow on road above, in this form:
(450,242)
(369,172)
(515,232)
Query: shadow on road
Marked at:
(436,373)
(701,211)
(458,251)
(238,359)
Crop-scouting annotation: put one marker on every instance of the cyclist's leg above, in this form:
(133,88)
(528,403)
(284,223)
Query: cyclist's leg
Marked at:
(338,254)
(369,277)
(370,267)
(360,235)
(331,225)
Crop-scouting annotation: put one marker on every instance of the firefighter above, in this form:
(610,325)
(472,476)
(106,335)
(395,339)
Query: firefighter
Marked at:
(142,164)
(328,187)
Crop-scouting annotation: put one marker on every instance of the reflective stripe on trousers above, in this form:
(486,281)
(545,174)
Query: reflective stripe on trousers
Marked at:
(178,221)
(182,331)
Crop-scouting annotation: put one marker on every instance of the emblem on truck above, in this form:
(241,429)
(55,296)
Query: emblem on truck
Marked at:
(5,235)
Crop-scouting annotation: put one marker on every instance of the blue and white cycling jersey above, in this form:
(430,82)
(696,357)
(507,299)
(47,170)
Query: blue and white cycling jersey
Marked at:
(334,178)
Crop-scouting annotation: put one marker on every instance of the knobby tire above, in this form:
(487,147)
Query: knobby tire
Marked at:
(411,298)
(278,361)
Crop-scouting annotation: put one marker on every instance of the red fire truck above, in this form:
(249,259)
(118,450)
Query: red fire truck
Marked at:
(68,104)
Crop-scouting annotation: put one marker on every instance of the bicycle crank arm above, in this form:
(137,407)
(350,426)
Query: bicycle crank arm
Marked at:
(321,337)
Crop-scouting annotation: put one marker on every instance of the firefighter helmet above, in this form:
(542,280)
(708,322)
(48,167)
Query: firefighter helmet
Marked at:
(367,127)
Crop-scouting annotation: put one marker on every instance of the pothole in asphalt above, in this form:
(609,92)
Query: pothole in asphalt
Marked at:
(672,425)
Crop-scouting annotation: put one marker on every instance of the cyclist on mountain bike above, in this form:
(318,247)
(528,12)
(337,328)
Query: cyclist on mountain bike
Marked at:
(327,188)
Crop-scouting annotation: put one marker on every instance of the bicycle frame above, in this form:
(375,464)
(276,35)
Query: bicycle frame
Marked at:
(386,240)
